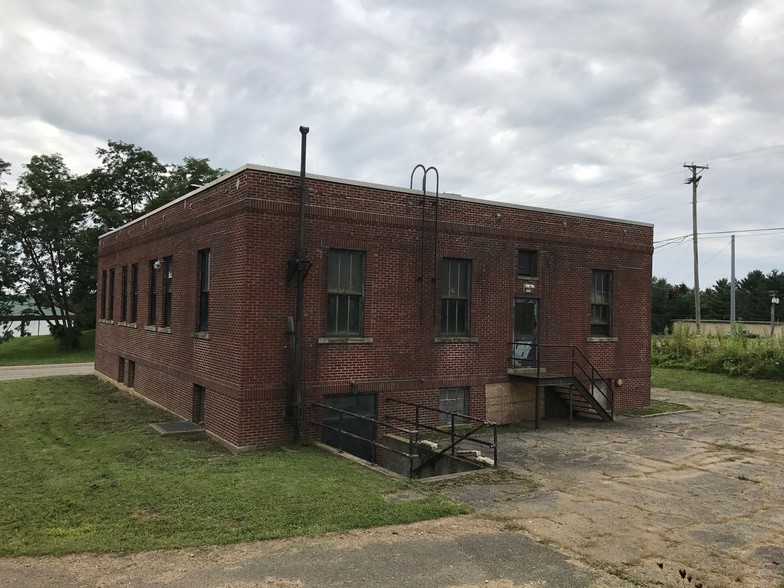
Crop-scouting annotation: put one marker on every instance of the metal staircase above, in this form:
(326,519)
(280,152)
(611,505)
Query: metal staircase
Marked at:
(567,370)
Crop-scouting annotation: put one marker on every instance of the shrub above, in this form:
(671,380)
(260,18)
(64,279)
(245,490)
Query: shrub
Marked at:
(733,355)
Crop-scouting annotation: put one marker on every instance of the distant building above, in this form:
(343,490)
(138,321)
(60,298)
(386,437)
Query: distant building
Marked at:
(446,302)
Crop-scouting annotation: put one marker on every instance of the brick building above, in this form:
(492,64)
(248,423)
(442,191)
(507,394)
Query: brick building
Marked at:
(420,298)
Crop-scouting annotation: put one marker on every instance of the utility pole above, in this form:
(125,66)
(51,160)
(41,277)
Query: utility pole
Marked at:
(694,180)
(732,287)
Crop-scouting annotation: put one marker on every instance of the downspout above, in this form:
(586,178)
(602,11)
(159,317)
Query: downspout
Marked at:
(301,268)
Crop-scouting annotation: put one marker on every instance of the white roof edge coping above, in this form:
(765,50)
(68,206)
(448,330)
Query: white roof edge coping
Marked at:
(288,172)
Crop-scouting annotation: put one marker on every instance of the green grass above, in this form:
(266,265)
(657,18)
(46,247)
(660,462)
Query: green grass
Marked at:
(657,407)
(718,384)
(82,471)
(43,349)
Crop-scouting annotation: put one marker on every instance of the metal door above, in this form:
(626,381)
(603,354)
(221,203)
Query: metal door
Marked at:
(361,432)
(526,326)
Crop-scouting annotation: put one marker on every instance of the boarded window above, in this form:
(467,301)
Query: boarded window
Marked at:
(124,295)
(134,291)
(110,313)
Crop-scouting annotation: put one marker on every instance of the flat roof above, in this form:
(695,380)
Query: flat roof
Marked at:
(288,172)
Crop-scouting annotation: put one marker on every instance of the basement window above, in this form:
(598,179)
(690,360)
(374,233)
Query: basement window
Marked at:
(452,400)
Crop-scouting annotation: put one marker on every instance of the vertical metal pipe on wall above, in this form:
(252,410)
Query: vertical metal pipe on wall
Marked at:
(296,404)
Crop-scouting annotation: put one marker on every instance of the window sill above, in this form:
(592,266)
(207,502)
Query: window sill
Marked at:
(345,340)
(129,325)
(164,329)
(203,335)
(601,339)
(152,328)
(528,278)
(106,321)
(472,340)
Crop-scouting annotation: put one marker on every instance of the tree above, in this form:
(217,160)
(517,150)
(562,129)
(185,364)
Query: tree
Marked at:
(184,178)
(121,186)
(669,303)
(7,268)
(42,220)
(715,301)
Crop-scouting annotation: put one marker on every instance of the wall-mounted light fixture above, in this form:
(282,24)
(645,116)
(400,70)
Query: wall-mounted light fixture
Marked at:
(528,288)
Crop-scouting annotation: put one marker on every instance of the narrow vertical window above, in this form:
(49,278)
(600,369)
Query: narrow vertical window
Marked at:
(601,303)
(455,296)
(167,291)
(134,291)
(124,295)
(204,289)
(110,313)
(152,313)
(345,291)
(103,294)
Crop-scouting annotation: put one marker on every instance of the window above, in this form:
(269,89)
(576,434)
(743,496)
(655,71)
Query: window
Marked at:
(134,291)
(121,369)
(204,289)
(601,303)
(152,313)
(452,400)
(197,409)
(526,263)
(167,291)
(455,296)
(131,374)
(124,295)
(345,288)
(111,295)
(103,294)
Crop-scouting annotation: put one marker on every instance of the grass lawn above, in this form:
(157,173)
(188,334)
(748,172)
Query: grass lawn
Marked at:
(718,384)
(82,471)
(43,349)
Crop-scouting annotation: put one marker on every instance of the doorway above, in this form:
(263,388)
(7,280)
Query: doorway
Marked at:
(364,431)
(526,327)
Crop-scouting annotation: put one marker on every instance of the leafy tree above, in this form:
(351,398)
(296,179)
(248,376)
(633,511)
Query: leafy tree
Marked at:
(669,302)
(42,220)
(182,179)
(121,186)
(7,267)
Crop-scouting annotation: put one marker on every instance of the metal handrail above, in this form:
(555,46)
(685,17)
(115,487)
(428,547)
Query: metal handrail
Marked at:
(574,362)
(455,438)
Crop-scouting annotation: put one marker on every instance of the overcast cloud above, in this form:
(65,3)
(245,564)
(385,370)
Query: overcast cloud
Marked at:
(584,105)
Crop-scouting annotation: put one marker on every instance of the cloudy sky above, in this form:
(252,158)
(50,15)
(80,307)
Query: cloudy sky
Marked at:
(584,105)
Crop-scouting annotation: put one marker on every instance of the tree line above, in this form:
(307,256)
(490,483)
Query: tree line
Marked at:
(671,302)
(51,219)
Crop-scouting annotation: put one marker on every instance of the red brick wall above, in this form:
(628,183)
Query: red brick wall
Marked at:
(249,221)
